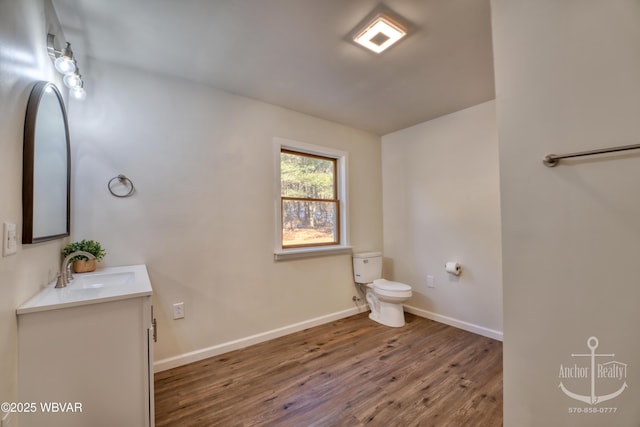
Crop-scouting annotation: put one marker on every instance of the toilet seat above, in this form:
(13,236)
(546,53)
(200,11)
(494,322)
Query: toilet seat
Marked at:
(388,285)
(388,288)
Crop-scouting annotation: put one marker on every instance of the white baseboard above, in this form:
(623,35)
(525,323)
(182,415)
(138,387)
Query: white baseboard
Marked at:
(194,356)
(476,329)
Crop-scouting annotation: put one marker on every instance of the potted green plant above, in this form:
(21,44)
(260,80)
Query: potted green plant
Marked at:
(81,264)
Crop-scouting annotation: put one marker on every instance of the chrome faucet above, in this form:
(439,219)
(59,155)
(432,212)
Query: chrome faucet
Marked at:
(65,275)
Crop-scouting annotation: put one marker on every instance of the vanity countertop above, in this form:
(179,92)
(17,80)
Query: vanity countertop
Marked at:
(102,285)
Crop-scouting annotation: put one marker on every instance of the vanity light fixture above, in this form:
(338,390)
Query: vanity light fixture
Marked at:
(380,32)
(66,64)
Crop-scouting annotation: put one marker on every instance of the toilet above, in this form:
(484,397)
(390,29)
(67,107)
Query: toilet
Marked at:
(385,297)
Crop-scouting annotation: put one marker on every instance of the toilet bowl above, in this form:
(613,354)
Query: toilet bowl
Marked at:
(384,297)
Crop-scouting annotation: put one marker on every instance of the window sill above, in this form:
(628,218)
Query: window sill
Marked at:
(287,254)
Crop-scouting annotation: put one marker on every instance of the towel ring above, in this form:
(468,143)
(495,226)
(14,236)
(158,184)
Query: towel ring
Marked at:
(124,181)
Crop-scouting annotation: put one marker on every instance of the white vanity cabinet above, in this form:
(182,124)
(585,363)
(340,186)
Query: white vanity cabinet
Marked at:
(89,362)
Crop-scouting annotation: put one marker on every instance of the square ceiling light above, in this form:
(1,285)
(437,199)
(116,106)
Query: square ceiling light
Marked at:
(380,33)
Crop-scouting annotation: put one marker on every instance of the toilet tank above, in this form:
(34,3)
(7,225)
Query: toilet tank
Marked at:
(367,267)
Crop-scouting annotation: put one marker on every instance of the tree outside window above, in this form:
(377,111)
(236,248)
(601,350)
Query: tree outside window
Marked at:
(309,200)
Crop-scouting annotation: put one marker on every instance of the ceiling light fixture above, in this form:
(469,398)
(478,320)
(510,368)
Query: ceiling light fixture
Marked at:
(66,64)
(380,33)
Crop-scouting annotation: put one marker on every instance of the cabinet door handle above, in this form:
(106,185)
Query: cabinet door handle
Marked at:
(155,330)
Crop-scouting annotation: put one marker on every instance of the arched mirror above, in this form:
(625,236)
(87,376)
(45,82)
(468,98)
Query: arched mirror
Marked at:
(46,177)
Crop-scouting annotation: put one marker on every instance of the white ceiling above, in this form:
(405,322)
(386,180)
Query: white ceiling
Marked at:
(297,53)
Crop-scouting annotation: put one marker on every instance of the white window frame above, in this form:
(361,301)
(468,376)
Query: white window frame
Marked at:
(341,157)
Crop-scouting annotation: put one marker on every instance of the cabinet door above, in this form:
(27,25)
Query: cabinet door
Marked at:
(98,355)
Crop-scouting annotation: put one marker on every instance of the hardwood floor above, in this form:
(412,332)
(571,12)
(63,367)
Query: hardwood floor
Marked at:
(351,372)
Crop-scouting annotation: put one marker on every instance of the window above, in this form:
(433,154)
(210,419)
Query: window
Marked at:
(311,199)
(310,209)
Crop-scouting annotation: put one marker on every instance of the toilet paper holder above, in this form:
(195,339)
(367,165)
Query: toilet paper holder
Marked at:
(453,267)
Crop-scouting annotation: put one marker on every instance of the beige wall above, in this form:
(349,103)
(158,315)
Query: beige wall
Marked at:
(567,79)
(202,218)
(442,203)
(23,61)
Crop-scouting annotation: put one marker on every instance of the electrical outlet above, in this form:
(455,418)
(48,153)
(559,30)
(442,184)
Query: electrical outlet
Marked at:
(178,310)
(431,283)
(6,420)
(9,239)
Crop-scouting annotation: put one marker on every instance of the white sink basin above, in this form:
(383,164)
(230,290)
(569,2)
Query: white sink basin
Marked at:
(101,280)
(105,284)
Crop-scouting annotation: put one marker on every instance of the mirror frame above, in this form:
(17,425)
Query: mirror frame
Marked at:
(28,166)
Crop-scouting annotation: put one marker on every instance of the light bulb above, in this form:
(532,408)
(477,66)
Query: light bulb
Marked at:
(78,93)
(72,80)
(65,65)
